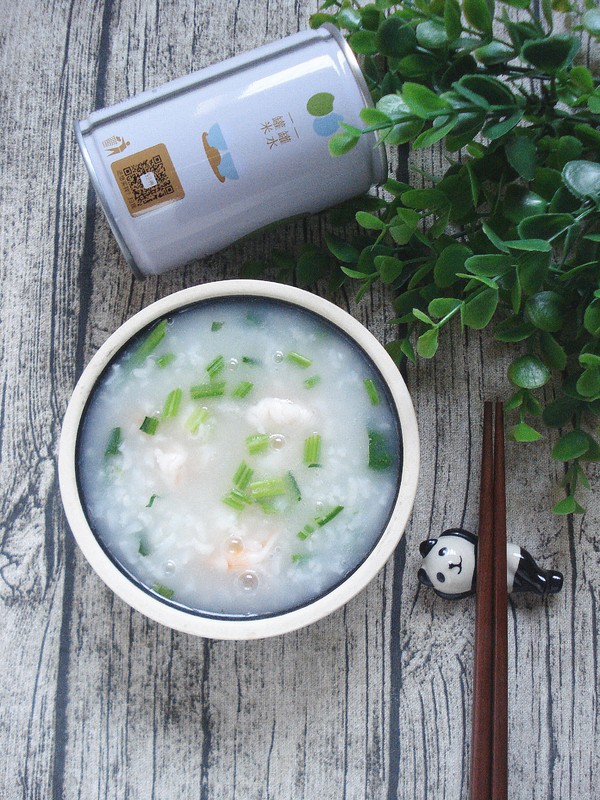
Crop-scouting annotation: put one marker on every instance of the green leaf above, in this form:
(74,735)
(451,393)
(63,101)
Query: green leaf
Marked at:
(553,353)
(341,143)
(546,182)
(403,132)
(591,21)
(524,433)
(520,203)
(433,135)
(521,153)
(588,383)
(369,221)
(422,317)
(494,238)
(546,311)
(392,105)
(552,53)
(373,116)
(513,329)
(544,226)
(395,38)
(356,274)
(568,505)
(423,102)
(571,445)
(593,451)
(532,269)
(589,360)
(582,178)
(440,307)
(494,130)
(427,343)
(425,199)
(486,87)
(477,13)
(449,263)
(478,310)
(561,411)
(489,266)
(401,234)
(341,249)
(494,53)
(364,42)
(452,21)
(312,265)
(431,34)
(529,245)
(528,372)
(389,268)
(591,318)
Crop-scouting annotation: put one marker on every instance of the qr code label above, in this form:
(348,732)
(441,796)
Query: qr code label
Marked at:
(147,179)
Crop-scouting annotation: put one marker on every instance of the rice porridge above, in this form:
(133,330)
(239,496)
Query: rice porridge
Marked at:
(240,457)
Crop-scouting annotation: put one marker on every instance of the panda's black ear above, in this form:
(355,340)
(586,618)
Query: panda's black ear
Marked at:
(426,546)
(424,578)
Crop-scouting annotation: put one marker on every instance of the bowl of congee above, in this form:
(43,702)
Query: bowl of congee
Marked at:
(239,459)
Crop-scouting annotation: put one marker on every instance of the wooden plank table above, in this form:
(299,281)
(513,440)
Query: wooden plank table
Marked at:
(371,702)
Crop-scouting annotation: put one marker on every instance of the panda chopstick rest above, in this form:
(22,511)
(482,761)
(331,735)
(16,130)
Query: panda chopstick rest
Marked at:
(449,567)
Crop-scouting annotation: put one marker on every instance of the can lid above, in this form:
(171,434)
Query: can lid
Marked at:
(380,162)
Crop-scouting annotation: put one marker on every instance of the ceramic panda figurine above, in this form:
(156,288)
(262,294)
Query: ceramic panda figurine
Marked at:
(449,567)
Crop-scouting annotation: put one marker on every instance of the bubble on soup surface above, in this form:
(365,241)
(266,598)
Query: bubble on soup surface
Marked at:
(248,581)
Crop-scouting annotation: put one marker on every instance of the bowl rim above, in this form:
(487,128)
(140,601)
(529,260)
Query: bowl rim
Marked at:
(247,628)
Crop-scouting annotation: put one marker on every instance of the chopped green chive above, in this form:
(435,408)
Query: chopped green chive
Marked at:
(150,343)
(242,389)
(254,362)
(236,499)
(149,425)
(150,502)
(163,590)
(172,403)
(306,532)
(144,548)
(165,360)
(253,319)
(371,391)
(267,506)
(114,443)
(294,488)
(216,326)
(216,366)
(257,443)
(298,558)
(312,450)
(243,476)
(272,487)
(311,382)
(196,418)
(329,516)
(216,389)
(379,455)
(298,360)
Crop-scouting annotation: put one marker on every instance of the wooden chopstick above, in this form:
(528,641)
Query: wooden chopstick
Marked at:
(500,682)
(489,760)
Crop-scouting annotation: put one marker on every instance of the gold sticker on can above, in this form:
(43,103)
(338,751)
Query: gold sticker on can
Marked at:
(147,179)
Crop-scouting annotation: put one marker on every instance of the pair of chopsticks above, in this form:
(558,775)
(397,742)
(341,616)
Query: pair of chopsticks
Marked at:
(489,744)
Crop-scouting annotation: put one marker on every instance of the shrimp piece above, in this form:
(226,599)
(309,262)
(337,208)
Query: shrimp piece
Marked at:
(171,465)
(275,413)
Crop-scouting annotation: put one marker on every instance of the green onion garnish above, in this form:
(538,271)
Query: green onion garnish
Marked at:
(242,389)
(216,366)
(371,391)
(272,487)
(236,499)
(216,389)
(150,343)
(306,532)
(196,418)
(379,455)
(165,360)
(243,476)
(163,590)
(114,443)
(144,548)
(312,450)
(172,403)
(267,506)
(312,381)
(257,443)
(253,319)
(294,488)
(254,362)
(216,326)
(150,502)
(329,516)
(149,425)
(298,558)
(298,360)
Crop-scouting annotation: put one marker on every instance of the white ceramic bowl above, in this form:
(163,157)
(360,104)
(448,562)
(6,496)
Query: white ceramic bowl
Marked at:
(189,621)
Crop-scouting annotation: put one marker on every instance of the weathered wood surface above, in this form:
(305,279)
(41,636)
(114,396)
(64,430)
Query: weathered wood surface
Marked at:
(373,701)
